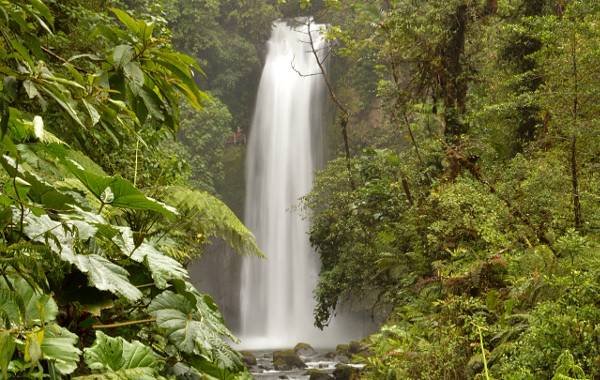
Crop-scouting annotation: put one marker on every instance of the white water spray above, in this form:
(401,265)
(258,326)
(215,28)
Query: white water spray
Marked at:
(284,146)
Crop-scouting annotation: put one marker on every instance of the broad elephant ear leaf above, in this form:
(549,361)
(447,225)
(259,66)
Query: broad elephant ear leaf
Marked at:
(194,325)
(101,272)
(116,358)
(162,267)
(125,374)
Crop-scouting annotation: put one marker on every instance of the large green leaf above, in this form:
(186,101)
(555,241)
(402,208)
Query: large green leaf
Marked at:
(178,316)
(162,267)
(116,358)
(193,324)
(124,374)
(44,339)
(64,102)
(152,103)
(39,308)
(39,191)
(134,73)
(138,27)
(59,345)
(117,191)
(214,371)
(106,275)
(7,348)
(102,273)
(122,55)
(12,308)
(42,9)
(24,306)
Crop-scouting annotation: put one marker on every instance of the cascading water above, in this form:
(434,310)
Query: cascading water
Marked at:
(283,150)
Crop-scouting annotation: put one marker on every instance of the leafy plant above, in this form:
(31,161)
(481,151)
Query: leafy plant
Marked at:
(82,250)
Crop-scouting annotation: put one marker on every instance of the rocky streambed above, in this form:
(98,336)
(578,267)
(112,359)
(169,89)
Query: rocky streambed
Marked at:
(305,363)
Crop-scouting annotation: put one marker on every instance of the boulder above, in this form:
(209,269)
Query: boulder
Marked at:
(342,358)
(344,352)
(343,349)
(286,360)
(305,349)
(265,367)
(346,372)
(356,348)
(248,358)
(330,355)
(315,374)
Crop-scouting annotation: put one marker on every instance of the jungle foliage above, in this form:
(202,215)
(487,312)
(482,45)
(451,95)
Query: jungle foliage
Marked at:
(98,216)
(467,212)
(470,204)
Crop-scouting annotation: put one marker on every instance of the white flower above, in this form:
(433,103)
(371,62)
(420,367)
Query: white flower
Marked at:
(38,127)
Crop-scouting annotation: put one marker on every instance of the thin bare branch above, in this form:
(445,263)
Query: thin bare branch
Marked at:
(345,113)
(122,324)
(301,73)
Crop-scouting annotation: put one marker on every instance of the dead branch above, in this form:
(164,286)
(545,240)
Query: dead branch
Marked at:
(344,112)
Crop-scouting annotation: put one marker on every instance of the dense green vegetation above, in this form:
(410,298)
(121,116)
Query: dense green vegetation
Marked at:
(465,210)
(99,208)
(472,213)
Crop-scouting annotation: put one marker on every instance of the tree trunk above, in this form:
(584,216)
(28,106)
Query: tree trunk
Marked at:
(453,84)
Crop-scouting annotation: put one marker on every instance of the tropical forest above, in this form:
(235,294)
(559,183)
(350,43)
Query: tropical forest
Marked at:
(299,189)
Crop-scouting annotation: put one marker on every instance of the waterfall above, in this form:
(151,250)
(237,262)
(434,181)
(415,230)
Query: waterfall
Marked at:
(284,147)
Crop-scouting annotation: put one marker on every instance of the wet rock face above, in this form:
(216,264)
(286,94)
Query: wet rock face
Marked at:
(305,350)
(286,360)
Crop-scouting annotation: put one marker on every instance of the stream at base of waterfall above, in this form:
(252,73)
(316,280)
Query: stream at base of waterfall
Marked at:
(305,363)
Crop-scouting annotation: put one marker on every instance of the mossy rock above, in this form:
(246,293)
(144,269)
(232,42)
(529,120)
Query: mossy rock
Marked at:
(356,348)
(248,358)
(346,372)
(286,360)
(315,374)
(343,349)
(305,349)
(342,358)
(330,355)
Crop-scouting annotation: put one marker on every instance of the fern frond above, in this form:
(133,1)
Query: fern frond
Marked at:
(205,214)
